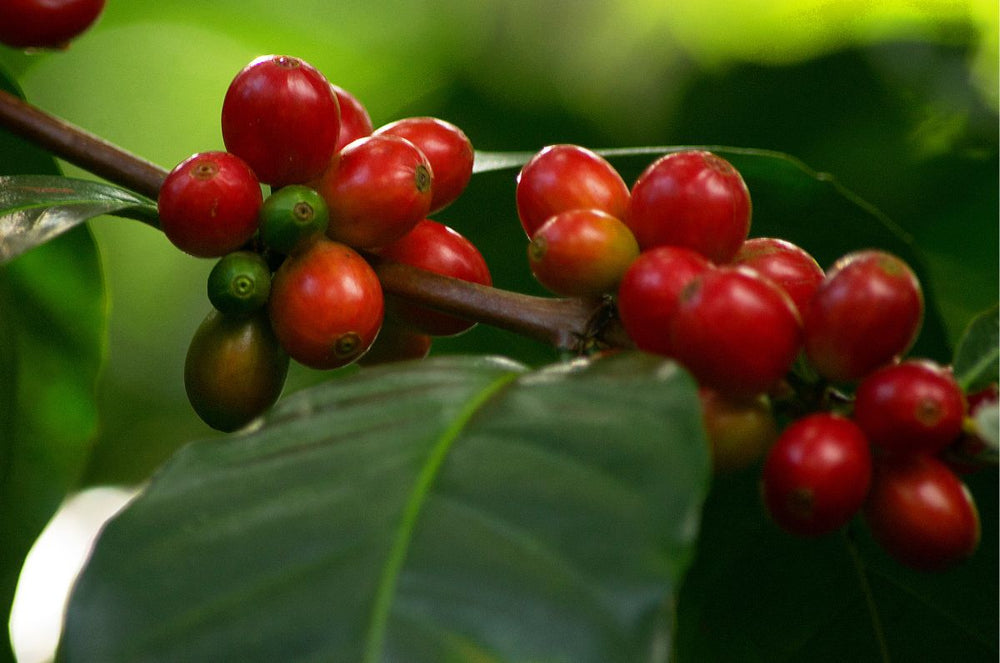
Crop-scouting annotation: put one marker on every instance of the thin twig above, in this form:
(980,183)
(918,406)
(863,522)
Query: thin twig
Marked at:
(564,323)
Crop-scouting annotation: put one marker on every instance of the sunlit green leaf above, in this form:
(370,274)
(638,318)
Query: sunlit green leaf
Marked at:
(454,509)
(977,357)
(36,208)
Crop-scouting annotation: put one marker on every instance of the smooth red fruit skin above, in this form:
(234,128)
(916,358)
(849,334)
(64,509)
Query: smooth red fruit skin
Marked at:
(915,406)
(436,248)
(397,341)
(921,513)
(377,189)
(208,204)
(787,264)
(326,305)
(446,147)
(355,122)
(965,455)
(866,312)
(281,117)
(581,253)
(817,474)
(739,430)
(46,23)
(694,199)
(565,177)
(649,292)
(735,331)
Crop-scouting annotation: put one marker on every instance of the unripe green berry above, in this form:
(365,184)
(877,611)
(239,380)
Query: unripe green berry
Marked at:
(239,283)
(290,216)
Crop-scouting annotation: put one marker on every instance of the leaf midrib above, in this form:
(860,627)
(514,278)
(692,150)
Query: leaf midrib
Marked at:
(386,589)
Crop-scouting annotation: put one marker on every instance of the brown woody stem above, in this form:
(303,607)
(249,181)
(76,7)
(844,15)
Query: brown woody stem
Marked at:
(574,324)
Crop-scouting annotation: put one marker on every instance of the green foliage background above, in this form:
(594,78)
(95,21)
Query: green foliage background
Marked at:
(899,103)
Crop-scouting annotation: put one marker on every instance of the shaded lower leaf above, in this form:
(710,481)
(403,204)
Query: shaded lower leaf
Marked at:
(36,208)
(454,509)
(756,593)
(977,357)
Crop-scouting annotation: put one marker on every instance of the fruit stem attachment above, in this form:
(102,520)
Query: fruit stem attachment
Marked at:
(573,324)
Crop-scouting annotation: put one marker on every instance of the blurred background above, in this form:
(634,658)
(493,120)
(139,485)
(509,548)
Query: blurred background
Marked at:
(897,99)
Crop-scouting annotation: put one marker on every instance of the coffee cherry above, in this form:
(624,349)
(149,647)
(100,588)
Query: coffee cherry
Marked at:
(649,292)
(292,216)
(694,199)
(921,513)
(436,248)
(235,369)
(46,23)
(966,453)
(326,305)
(208,204)
(581,252)
(397,341)
(239,283)
(560,178)
(281,117)
(446,147)
(867,311)
(355,122)
(377,189)
(788,265)
(735,331)
(817,474)
(915,406)
(739,430)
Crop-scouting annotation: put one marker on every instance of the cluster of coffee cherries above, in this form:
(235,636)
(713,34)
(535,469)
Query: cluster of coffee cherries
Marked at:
(294,278)
(749,317)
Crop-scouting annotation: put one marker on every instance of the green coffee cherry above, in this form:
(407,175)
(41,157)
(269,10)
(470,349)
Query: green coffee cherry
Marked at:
(235,369)
(290,216)
(239,283)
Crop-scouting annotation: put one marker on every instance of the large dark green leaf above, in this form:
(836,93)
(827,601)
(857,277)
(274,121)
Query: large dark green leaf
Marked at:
(454,509)
(53,314)
(37,208)
(757,594)
(977,357)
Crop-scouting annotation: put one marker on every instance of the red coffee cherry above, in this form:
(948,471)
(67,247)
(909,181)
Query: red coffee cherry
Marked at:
(739,430)
(649,292)
(915,406)
(397,341)
(446,147)
(355,122)
(326,305)
(694,199)
(281,116)
(581,253)
(817,475)
(788,265)
(46,23)
(965,454)
(921,513)
(560,178)
(867,311)
(735,331)
(208,204)
(436,248)
(235,369)
(377,189)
